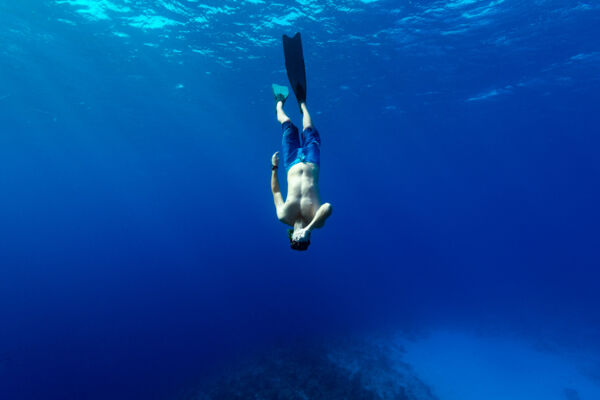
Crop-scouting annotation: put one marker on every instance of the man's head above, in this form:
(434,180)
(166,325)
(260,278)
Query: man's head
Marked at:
(299,239)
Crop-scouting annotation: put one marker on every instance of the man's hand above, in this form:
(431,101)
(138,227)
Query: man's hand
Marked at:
(275,159)
(301,235)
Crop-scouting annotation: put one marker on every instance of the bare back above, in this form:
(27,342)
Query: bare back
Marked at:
(303,198)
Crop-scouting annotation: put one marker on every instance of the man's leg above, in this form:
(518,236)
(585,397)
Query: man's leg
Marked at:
(290,143)
(306,120)
(281,116)
(310,138)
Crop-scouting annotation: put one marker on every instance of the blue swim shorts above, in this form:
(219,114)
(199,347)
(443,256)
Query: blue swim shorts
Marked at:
(294,152)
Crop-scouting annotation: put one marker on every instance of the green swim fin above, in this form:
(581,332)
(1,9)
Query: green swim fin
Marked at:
(294,64)
(280,93)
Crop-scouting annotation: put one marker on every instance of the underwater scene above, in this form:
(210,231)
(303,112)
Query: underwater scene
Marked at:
(299,199)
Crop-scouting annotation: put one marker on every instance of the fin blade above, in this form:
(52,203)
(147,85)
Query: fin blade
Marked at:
(294,64)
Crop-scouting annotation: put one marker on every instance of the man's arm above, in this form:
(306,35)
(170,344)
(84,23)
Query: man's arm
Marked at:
(320,216)
(277,197)
(317,222)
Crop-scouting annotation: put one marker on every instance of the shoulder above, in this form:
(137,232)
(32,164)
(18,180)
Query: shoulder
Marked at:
(283,214)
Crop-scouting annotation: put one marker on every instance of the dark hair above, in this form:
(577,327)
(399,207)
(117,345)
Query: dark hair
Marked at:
(296,245)
(301,246)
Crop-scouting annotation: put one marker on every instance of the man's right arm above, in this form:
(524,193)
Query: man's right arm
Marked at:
(277,197)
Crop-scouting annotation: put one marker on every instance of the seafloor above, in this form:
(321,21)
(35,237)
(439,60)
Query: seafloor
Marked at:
(348,370)
(446,364)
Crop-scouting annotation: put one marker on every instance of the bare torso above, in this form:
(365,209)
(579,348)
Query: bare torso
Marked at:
(303,198)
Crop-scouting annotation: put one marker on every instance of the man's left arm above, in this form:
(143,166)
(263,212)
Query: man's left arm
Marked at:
(320,216)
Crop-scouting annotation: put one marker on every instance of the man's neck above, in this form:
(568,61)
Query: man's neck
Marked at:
(299,224)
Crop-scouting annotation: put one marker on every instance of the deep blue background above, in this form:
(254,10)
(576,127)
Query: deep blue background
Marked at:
(139,246)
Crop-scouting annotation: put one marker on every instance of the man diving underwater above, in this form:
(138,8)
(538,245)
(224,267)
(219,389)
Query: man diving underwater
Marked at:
(302,208)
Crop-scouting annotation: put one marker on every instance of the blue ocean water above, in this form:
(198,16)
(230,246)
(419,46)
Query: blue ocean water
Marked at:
(140,252)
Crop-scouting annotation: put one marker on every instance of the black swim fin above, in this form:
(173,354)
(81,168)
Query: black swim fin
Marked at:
(294,64)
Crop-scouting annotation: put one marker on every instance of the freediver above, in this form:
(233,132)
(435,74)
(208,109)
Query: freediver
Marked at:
(302,208)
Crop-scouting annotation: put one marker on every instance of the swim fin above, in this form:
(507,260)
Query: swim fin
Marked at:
(280,93)
(294,64)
